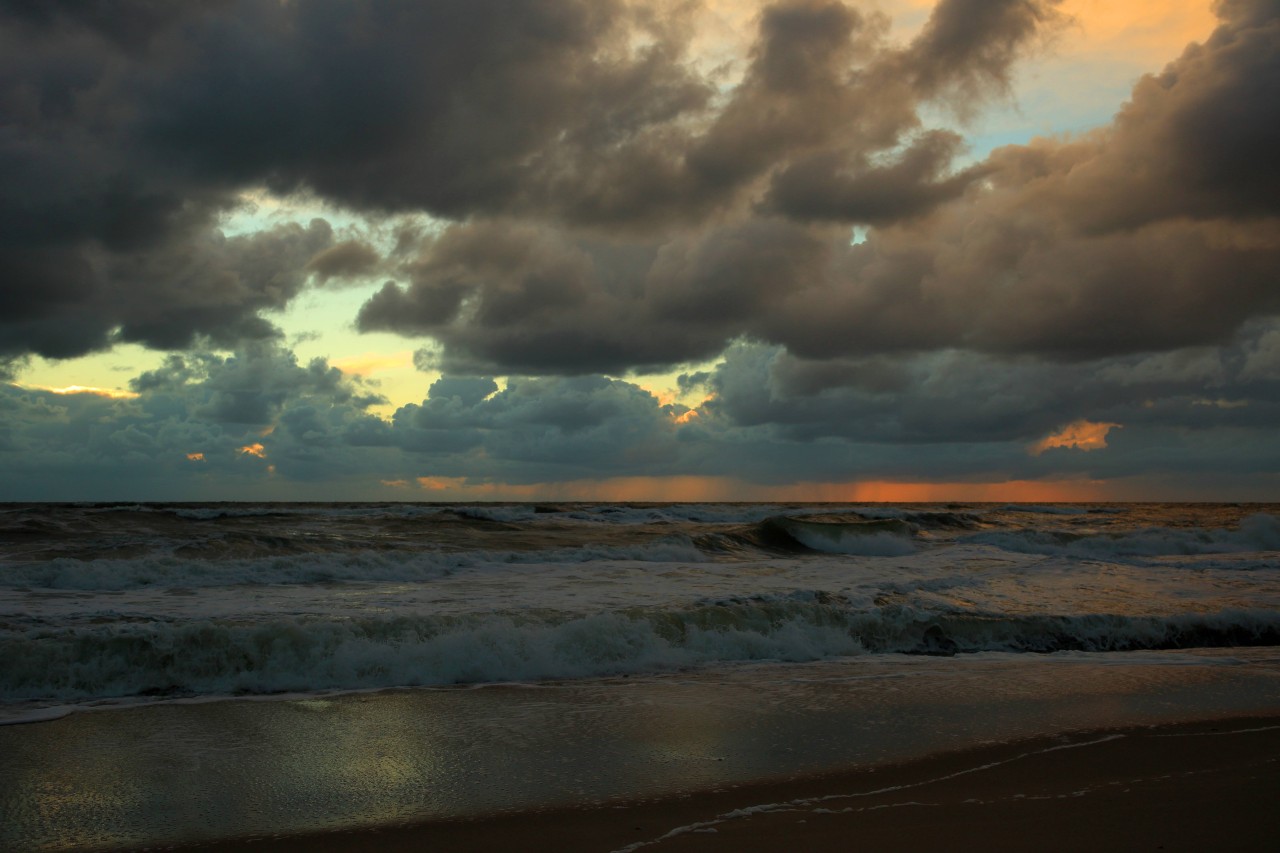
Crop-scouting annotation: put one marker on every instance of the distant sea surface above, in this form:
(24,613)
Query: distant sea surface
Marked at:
(110,604)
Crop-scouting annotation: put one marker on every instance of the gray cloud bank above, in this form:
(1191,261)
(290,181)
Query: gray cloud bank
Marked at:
(1196,423)
(611,206)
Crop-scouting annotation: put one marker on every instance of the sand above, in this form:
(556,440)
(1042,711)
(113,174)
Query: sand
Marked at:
(1199,786)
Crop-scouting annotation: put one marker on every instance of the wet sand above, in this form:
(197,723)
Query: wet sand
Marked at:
(897,748)
(1199,786)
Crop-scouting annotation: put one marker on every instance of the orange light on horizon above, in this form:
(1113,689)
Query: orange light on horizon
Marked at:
(1031,491)
(696,489)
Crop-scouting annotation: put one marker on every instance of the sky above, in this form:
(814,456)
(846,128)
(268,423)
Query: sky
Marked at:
(871,250)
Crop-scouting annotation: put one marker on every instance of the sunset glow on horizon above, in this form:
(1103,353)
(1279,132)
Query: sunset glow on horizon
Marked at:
(677,489)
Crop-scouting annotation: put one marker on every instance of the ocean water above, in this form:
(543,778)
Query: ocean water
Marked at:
(110,604)
(202,672)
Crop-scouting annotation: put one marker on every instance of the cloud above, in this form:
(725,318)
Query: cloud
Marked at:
(130,133)
(258,422)
(970,45)
(1081,435)
(64,302)
(1115,242)
(828,186)
(537,429)
(204,425)
(346,260)
(605,205)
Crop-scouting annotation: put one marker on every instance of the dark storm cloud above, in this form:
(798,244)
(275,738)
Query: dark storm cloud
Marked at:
(828,186)
(1111,243)
(131,126)
(1158,232)
(971,45)
(346,260)
(500,293)
(1195,140)
(824,92)
(62,304)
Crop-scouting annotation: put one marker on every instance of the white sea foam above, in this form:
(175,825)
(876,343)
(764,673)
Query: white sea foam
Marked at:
(271,653)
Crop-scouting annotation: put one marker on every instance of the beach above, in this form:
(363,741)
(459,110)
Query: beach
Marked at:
(580,765)
(1201,786)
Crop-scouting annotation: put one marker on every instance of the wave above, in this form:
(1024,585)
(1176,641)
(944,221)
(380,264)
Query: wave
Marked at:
(1054,509)
(923,519)
(1258,532)
(171,570)
(863,531)
(174,658)
(890,537)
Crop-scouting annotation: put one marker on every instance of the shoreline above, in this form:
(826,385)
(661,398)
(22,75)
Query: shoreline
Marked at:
(578,766)
(1210,784)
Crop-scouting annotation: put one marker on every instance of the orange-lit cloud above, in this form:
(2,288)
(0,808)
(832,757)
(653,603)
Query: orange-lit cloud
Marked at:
(368,363)
(395,484)
(1081,435)
(255,449)
(439,484)
(195,457)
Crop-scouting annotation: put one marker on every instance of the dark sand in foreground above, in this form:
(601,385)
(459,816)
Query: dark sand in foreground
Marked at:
(1202,786)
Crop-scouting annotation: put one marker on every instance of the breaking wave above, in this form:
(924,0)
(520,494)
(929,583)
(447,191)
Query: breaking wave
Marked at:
(890,537)
(173,658)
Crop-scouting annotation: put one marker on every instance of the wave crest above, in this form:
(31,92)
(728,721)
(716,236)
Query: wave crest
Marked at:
(165,658)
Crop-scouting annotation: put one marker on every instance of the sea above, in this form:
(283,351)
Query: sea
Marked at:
(779,638)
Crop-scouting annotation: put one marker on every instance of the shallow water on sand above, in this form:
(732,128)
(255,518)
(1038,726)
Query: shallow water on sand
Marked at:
(207,770)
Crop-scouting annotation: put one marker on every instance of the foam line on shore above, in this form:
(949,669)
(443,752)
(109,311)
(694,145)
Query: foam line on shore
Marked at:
(805,802)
